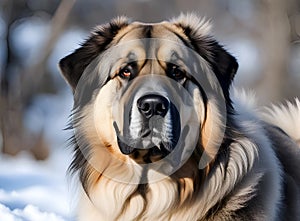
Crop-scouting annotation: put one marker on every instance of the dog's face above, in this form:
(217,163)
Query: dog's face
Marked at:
(144,92)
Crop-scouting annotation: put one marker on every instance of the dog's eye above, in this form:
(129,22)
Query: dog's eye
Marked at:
(125,73)
(176,73)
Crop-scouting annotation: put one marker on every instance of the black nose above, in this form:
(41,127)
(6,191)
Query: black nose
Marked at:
(152,104)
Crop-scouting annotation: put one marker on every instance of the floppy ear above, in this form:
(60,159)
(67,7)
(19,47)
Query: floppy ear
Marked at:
(73,65)
(197,31)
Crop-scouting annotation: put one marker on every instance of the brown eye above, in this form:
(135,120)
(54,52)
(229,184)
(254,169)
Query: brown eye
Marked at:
(126,72)
(176,73)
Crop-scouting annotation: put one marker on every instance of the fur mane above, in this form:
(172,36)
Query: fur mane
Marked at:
(200,192)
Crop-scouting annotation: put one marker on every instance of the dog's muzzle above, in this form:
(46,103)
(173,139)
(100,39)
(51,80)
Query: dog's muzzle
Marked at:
(154,127)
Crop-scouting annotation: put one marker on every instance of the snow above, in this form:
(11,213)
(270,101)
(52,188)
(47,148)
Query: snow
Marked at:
(29,213)
(31,190)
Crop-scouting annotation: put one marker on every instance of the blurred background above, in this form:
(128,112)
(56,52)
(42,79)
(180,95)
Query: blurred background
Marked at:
(264,35)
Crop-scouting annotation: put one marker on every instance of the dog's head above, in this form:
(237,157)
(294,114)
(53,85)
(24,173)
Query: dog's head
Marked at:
(145,92)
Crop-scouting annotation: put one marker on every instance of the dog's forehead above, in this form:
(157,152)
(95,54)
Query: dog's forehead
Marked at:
(138,30)
(150,40)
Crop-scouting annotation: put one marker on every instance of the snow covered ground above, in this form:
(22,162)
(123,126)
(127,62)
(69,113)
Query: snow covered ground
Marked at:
(33,190)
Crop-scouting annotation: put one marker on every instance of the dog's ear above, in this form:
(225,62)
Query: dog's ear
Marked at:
(198,31)
(73,65)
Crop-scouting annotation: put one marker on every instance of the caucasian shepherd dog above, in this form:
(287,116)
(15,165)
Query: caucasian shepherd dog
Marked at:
(157,135)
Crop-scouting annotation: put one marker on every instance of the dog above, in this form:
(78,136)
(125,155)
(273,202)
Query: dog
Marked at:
(159,134)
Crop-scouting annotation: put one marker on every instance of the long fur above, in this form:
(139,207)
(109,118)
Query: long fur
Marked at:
(251,168)
(285,116)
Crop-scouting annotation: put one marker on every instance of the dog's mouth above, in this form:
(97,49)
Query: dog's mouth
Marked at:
(145,155)
(148,147)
